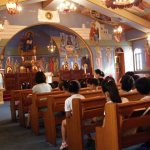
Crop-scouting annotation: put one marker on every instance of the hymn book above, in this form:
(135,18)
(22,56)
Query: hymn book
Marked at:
(137,112)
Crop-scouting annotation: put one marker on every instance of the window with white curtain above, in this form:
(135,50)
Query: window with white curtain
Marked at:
(138,59)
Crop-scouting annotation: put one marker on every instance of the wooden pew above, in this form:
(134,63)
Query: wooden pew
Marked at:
(13,107)
(25,102)
(75,128)
(56,104)
(109,136)
(36,104)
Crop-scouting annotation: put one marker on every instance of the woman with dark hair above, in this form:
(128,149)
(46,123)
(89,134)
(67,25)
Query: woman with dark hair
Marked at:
(41,87)
(63,86)
(82,83)
(99,75)
(127,84)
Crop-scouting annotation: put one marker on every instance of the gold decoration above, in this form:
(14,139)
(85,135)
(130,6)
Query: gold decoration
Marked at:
(108,49)
(49,15)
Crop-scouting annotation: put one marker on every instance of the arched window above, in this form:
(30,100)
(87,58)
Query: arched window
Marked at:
(138,59)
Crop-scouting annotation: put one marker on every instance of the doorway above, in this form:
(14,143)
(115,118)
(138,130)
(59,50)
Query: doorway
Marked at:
(119,63)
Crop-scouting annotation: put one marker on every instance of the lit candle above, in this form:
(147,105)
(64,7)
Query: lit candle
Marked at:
(22,58)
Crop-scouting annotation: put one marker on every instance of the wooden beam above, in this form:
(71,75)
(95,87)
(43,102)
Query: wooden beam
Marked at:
(123,13)
(46,3)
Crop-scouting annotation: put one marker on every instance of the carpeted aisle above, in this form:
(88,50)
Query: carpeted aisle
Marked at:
(14,137)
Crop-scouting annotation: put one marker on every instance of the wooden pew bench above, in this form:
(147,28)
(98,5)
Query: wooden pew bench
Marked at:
(75,128)
(36,104)
(109,136)
(13,107)
(25,102)
(39,100)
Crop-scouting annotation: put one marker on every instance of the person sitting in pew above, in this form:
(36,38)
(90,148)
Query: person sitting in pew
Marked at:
(56,83)
(135,78)
(82,83)
(41,87)
(87,81)
(94,83)
(73,88)
(127,84)
(130,73)
(99,75)
(110,78)
(143,87)
(63,86)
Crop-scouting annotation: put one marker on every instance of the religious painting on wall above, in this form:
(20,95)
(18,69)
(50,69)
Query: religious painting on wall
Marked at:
(99,61)
(96,15)
(118,37)
(27,46)
(69,45)
(146,51)
(108,56)
(86,62)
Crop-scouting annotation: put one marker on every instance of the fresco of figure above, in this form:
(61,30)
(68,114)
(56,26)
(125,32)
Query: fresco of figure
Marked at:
(12,62)
(94,32)
(69,42)
(146,51)
(16,65)
(51,65)
(108,56)
(99,58)
(62,46)
(27,42)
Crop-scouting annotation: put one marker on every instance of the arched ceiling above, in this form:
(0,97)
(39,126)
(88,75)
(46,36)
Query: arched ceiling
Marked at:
(135,18)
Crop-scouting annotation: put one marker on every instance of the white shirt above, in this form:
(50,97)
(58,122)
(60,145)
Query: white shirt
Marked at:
(145,97)
(122,91)
(68,101)
(42,88)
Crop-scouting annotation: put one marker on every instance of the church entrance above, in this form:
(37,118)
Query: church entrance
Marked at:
(119,63)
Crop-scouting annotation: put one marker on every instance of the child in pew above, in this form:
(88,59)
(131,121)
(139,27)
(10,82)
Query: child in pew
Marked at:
(143,87)
(99,75)
(63,86)
(127,84)
(73,88)
(82,83)
(111,93)
(94,83)
(41,87)
(56,83)
(87,81)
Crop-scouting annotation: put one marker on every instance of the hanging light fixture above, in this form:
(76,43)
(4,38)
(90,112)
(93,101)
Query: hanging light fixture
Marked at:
(13,7)
(121,4)
(118,29)
(66,6)
(51,47)
(1,26)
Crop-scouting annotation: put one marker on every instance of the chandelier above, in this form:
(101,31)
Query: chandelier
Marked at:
(13,7)
(121,3)
(1,26)
(51,47)
(66,7)
(118,29)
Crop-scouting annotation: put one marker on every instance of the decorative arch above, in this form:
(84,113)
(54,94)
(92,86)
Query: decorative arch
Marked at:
(63,28)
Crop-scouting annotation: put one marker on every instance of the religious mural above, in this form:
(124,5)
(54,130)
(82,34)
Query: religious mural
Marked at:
(146,51)
(96,15)
(99,62)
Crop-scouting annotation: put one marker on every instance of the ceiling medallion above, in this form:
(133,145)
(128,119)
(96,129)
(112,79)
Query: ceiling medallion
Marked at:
(121,4)
(66,6)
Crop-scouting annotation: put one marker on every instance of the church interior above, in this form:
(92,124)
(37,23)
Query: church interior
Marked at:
(69,40)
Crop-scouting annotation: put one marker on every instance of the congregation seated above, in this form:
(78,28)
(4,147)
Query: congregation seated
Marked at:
(94,83)
(135,78)
(82,83)
(41,87)
(99,75)
(127,84)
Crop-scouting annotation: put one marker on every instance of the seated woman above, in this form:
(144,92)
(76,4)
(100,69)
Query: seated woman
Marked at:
(41,87)
(99,75)
(82,83)
(135,78)
(73,88)
(127,84)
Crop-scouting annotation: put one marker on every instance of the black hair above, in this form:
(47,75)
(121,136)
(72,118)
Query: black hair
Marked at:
(100,81)
(74,87)
(82,83)
(143,86)
(88,80)
(110,87)
(94,81)
(101,73)
(135,77)
(65,85)
(56,83)
(110,78)
(130,73)
(25,85)
(52,85)
(127,83)
(60,86)
(40,77)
